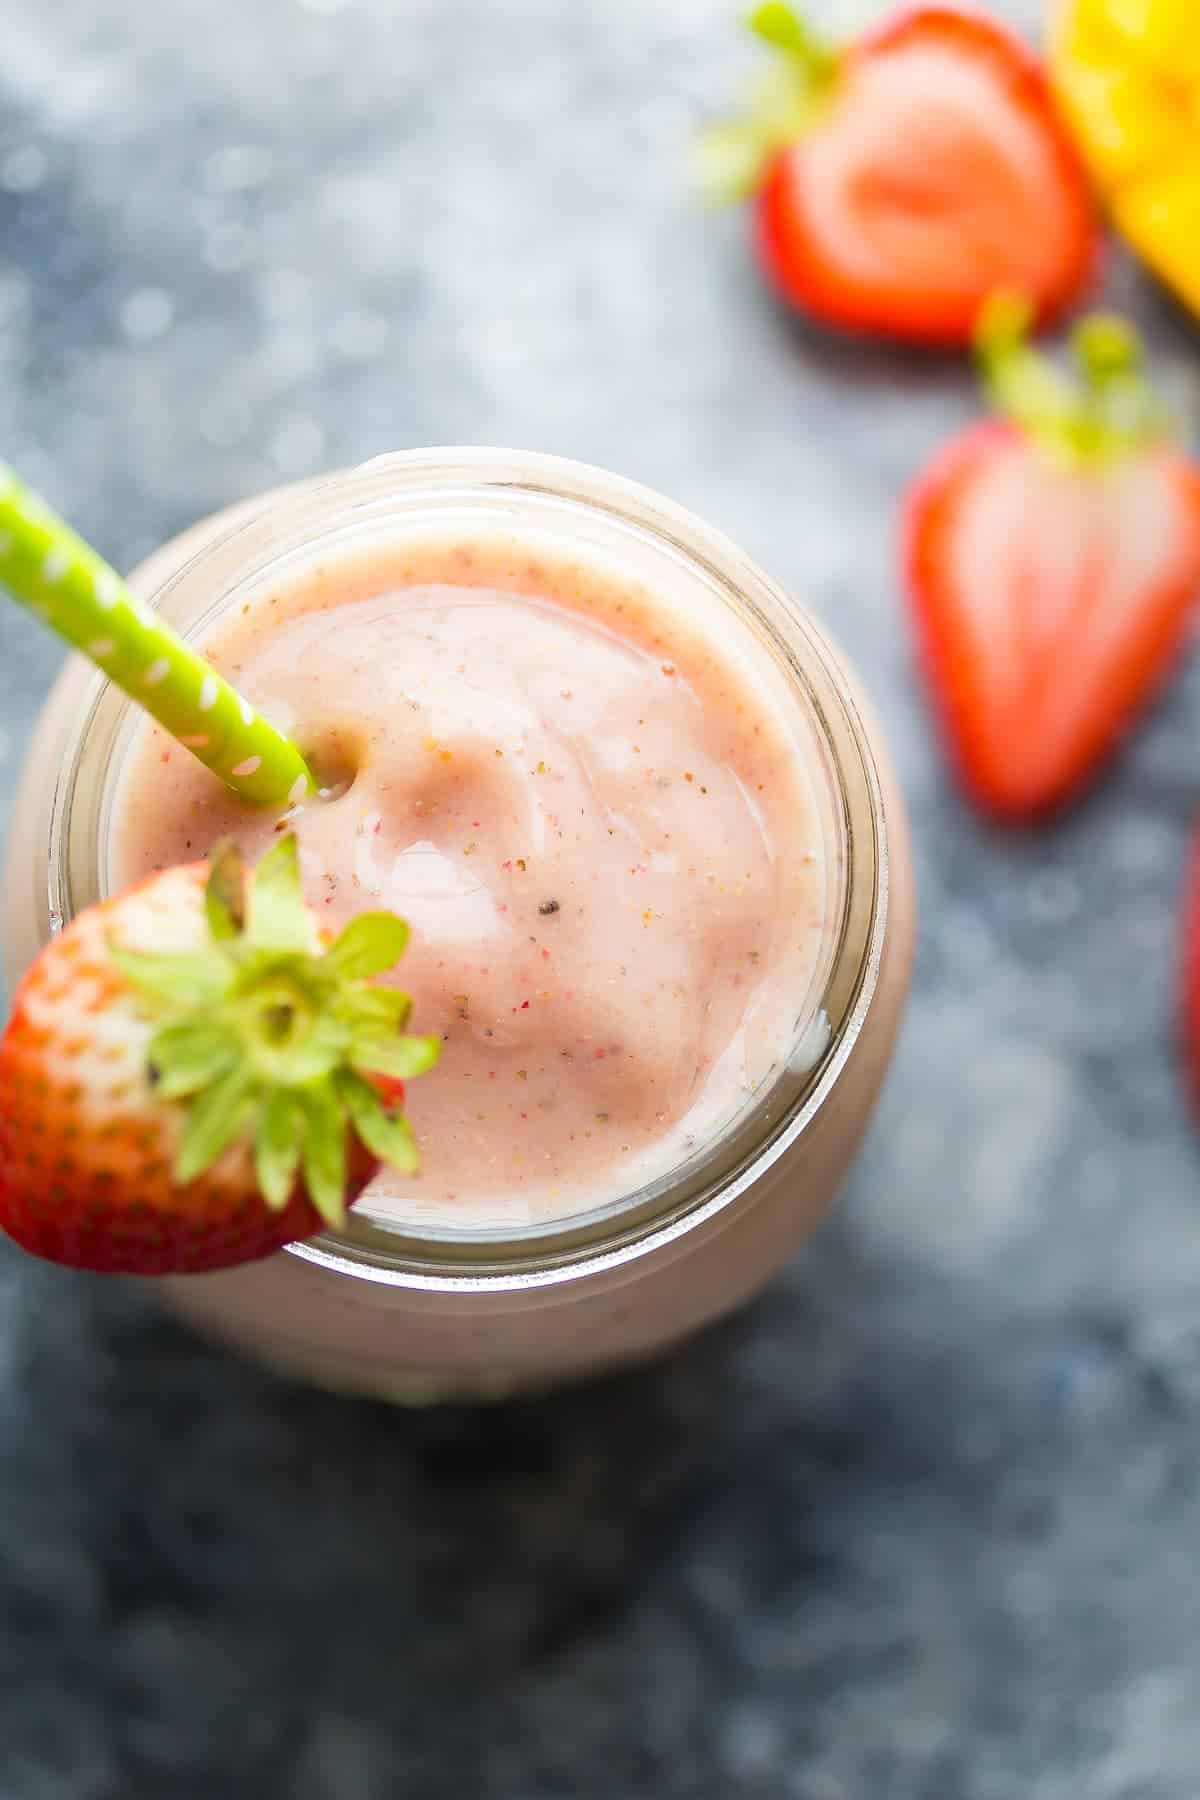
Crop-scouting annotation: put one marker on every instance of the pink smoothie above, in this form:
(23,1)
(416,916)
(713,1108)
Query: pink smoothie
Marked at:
(597,822)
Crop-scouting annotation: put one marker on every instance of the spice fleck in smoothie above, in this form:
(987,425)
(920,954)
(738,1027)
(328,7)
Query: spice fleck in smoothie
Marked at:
(597,823)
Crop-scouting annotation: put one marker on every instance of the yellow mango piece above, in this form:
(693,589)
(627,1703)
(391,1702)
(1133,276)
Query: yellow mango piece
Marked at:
(1124,123)
(1163,33)
(1160,215)
(1083,29)
(1127,75)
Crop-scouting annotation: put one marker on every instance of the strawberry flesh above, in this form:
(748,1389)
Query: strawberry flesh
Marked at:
(1050,603)
(936,173)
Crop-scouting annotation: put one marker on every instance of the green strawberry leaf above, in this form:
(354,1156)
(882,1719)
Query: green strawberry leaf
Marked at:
(382,1009)
(279,917)
(217,1117)
(277,1148)
(778,25)
(198,978)
(1099,407)
(290,1036)
(185,1058)
(258,967)
(731,158)
(386,1135)
(371,944)
(1125,407)
(401,1057)
(1106,347)
(264,1036)
(225,893)
(324,1152)
(728,160)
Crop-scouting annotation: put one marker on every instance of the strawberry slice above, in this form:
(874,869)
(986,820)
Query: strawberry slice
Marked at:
(191,1079)
(1052,558)
(904,178)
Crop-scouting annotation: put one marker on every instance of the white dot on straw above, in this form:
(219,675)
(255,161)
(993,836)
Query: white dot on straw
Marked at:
(297,790)
(197,741)
(107,588)
(56,564)
(101,647)
(158,671)
(145,614)
(251,766)
(247,712)
(208,693)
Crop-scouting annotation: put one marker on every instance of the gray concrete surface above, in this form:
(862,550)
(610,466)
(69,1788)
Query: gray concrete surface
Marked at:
(923,1525)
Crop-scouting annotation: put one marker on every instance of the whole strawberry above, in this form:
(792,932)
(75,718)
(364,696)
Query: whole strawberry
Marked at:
(1052,557)
(902,178)
(190,1079)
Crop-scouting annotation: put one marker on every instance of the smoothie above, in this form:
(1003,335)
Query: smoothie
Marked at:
(601,831)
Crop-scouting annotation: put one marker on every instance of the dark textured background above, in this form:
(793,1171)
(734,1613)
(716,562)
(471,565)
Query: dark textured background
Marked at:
(924,1525)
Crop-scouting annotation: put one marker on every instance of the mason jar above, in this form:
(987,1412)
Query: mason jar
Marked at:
(421,1310)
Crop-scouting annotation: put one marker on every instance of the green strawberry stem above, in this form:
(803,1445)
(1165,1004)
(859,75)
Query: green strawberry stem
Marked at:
(1099,407)
(265,1031)
(783,28)
(731,157)
(48,568)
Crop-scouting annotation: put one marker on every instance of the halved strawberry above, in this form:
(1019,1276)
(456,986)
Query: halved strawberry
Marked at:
(190,1079)
(905,177)
(1052,558)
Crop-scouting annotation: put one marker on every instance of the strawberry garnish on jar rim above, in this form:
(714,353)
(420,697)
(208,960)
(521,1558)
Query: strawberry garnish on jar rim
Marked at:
(192,1078)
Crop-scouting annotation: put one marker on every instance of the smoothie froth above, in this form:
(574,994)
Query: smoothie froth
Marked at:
(599,824)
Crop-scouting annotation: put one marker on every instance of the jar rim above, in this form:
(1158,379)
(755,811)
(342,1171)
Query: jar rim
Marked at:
(722,1173)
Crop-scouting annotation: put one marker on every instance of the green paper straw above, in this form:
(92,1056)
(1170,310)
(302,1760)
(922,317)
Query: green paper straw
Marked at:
(49,569)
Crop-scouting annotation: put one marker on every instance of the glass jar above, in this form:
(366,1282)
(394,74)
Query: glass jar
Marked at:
(418,1313)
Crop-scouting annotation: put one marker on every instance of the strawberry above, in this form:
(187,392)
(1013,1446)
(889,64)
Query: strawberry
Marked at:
(905,177)
(191,1079)
(1052,558)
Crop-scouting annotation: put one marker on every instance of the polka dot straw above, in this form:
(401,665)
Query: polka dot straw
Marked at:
(59,578)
